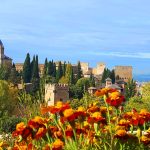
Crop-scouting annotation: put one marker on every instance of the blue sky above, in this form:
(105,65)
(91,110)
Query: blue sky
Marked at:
(116,32)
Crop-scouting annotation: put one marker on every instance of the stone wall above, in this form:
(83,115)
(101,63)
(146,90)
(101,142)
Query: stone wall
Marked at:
(19,67)
(56,92)
(124,72)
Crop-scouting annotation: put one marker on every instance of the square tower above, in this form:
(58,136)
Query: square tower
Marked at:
(56,92)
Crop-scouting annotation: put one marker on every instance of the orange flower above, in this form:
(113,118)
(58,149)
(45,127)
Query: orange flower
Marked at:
(104,91)
(21,129)
(96,117)
(20,126)
(68,112)
(40,133)
(69,115)
(121,134)
(37,122)
(47,147)
(59,108)
(115,99)
(93,109)
(124,123)
(145,140)
(57,145)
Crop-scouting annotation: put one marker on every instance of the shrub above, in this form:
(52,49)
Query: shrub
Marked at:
(8,124)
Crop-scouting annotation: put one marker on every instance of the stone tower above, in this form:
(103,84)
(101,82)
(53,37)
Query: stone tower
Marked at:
(108,82)
(123,72)
(1,52)
(56,92)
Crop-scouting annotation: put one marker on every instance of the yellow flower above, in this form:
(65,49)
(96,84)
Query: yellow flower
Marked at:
(121,133)
(81,109)
(85,123)
(96,114)
(145,139)
(20,126)
(114,95)
(59,104)
(39,120)
(58,144)
(68,112)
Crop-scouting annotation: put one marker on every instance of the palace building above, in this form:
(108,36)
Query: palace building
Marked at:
(4,60)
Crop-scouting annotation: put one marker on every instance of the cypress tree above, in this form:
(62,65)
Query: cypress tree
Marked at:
(112,76)
(72,76)
(92,81)
(79,71)
(64,68)
(27,69)
(35,73)
(59,72)
(104,76)
(35,76)
(54,70)
(45,67)
(50,68)
(32,65)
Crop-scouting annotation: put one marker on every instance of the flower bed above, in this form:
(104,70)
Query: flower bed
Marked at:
(95,127)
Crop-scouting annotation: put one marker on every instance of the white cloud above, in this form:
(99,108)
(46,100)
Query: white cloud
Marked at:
(141,55)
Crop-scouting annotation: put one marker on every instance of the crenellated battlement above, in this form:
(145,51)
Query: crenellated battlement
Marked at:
(56,86)
(56,92)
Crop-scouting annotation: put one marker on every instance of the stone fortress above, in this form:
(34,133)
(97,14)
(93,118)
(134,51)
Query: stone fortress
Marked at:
(4,60)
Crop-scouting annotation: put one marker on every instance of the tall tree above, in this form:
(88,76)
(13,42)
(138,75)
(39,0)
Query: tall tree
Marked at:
(54,70)
(112,76)
(72,79)
(45,67)
(64,68)
(92,80)
(14,76)
(104,76)
(50,68)
(79,71)
(59,72)
(27,69)
(35,73)
(35,76)
(32,65)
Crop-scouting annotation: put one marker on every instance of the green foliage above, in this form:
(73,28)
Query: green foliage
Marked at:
(45,67)
(108,74)
(112,76)
(4,73)
(79,71)
(8,124)
(27,69)
(64,68)
(85,101)
(75,92)
(130,89)
(92,80)
(59,72)
(8,98)
(84,83)
(14,76)
(146,90)
(138,103)
(35,73)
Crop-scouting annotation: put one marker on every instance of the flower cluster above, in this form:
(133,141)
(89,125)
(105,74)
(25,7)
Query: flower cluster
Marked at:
(99,127)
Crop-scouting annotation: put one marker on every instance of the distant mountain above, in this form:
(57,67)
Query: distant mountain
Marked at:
(142,78)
